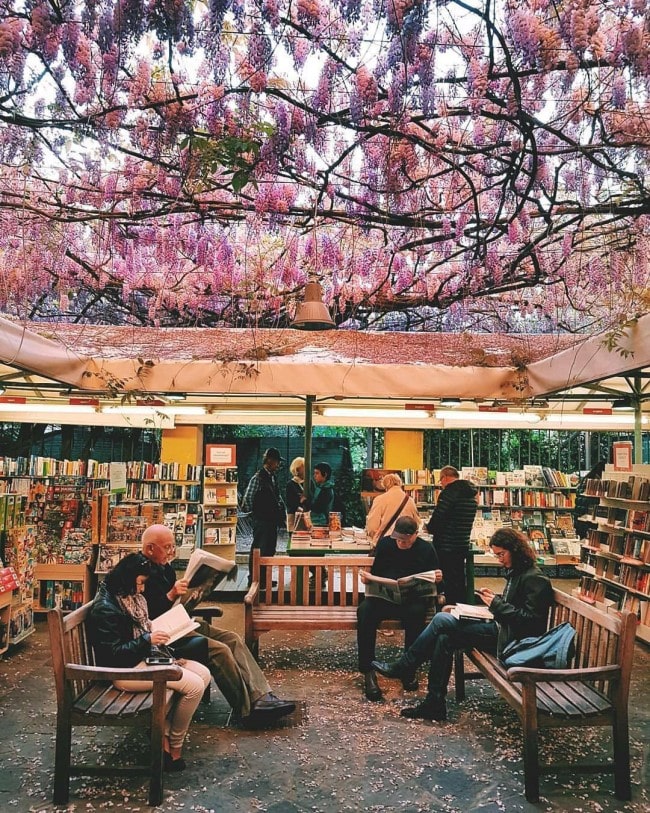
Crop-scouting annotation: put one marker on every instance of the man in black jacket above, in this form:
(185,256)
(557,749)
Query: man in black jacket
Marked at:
(262,499)
(450,526)
(231,663)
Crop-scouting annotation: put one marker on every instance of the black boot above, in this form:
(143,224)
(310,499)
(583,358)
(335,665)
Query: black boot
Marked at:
(426,710)
(371,687)
(391,669)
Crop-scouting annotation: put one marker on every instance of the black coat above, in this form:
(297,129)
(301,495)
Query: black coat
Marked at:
(522,609)
(451,521)
(111,632)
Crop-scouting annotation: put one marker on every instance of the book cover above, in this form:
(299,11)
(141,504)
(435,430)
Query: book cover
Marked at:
(471,612)
(203,573)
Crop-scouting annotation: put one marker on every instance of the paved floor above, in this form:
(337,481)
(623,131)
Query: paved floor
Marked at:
(337,752)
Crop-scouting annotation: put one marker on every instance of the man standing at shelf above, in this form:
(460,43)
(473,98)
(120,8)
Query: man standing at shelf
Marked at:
(450,526)
(262,499)
(231,663)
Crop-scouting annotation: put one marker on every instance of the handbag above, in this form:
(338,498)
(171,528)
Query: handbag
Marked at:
(555,649)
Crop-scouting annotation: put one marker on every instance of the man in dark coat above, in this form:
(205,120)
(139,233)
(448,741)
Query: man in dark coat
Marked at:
(262,499)
(450,526)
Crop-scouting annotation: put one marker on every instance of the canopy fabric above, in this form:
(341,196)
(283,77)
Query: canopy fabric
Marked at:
(285,362)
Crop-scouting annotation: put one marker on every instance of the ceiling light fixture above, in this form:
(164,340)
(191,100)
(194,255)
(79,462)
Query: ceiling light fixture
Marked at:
(450,402)
(622,405)
(312,313)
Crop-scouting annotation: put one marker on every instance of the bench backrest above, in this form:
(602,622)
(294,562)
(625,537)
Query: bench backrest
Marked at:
(602,639)
(334,579)
(69,644)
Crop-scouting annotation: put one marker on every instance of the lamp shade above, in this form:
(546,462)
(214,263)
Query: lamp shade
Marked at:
(312,313)
(622,405)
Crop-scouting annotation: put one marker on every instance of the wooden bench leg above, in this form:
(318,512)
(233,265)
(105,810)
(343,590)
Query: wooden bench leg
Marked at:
(621,743)
(459,675)
(157,735)
(531,743)
(62,758)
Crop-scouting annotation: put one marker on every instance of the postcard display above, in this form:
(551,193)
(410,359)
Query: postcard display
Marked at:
(537,500)
(220,501)
(616,553)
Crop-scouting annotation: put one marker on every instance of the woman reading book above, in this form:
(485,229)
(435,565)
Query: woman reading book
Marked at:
(520,611)
(121,636)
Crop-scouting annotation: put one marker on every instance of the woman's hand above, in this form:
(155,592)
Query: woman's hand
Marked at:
(486,595)
(159,637)
(363,576)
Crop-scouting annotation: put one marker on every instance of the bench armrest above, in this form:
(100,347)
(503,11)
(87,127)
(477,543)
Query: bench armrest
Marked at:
(253,591)
(157,674)
(520,674)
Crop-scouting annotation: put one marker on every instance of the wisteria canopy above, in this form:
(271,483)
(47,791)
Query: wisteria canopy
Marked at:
(435,165)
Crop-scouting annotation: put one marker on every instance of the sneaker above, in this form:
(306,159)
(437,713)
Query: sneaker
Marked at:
(426,711)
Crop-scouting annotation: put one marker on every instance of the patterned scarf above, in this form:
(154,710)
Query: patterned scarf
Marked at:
(136,606)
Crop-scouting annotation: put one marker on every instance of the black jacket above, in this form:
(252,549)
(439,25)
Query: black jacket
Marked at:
(293,492)
(452,518)
(111,633)
(161,580)
(394,563)
(522,609)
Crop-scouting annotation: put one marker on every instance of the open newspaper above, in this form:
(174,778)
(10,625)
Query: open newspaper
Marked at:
(401,591)
(175,622)
(471,612)
(204,572)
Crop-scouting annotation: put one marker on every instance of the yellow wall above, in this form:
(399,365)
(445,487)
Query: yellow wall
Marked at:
(184,444)
(403,449)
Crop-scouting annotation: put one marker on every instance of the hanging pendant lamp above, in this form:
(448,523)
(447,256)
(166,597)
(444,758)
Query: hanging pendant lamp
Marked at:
(312,313)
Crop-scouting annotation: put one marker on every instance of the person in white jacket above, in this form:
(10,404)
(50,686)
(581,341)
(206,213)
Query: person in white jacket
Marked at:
(387,507)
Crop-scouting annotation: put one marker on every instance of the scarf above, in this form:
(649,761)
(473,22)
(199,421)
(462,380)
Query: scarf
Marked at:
(136,606)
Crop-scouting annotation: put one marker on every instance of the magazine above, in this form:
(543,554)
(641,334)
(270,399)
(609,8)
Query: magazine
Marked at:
(203,573)
(401,591)
(471,612)
(175,622)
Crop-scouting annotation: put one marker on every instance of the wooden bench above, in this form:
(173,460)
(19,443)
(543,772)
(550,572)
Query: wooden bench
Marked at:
(593,692)
(85,696)
(312,593)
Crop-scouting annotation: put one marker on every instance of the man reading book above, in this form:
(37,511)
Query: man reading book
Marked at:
(231,663)
(401,554)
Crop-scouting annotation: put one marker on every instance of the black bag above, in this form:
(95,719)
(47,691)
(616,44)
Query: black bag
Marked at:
(553,650)
(192,647)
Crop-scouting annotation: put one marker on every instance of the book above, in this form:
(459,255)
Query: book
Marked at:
(403,590)
(471,612)
(175,622)
(204,572)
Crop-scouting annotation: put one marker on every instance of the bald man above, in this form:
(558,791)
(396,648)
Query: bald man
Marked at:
(231,663)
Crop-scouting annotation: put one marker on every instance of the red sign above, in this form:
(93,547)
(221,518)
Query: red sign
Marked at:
(13,399)
(597,411)
(83,401)
(429,407)
(486,408)
(220,454)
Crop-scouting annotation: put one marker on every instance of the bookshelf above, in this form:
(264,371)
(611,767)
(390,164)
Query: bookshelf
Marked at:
(615,556)
(220,510)
(17,604)
(536,499)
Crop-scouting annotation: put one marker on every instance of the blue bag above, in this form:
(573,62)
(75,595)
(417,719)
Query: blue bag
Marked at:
(553,650)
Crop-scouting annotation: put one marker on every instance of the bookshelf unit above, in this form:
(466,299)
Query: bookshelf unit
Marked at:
(537,500)
(220,510)
(615,558)
(17,613)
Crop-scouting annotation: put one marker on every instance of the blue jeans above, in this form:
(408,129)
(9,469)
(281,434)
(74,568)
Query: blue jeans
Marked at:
(437,644)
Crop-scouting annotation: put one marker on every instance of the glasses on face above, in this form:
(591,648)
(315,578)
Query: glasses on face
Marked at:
(500,554)
(166,548)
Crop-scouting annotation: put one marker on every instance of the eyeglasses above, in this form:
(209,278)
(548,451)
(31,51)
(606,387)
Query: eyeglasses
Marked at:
(500,554)
(166,548)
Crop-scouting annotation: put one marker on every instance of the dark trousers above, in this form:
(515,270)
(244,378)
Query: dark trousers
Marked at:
(437,644)
(265,537)
(372,611)
(452,564)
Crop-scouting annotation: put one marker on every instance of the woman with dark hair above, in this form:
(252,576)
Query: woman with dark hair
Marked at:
(520,611)
(121,636)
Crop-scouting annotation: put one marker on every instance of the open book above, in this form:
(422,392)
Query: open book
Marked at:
(401,591)
(471,612)
(175,622)
(204,571)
